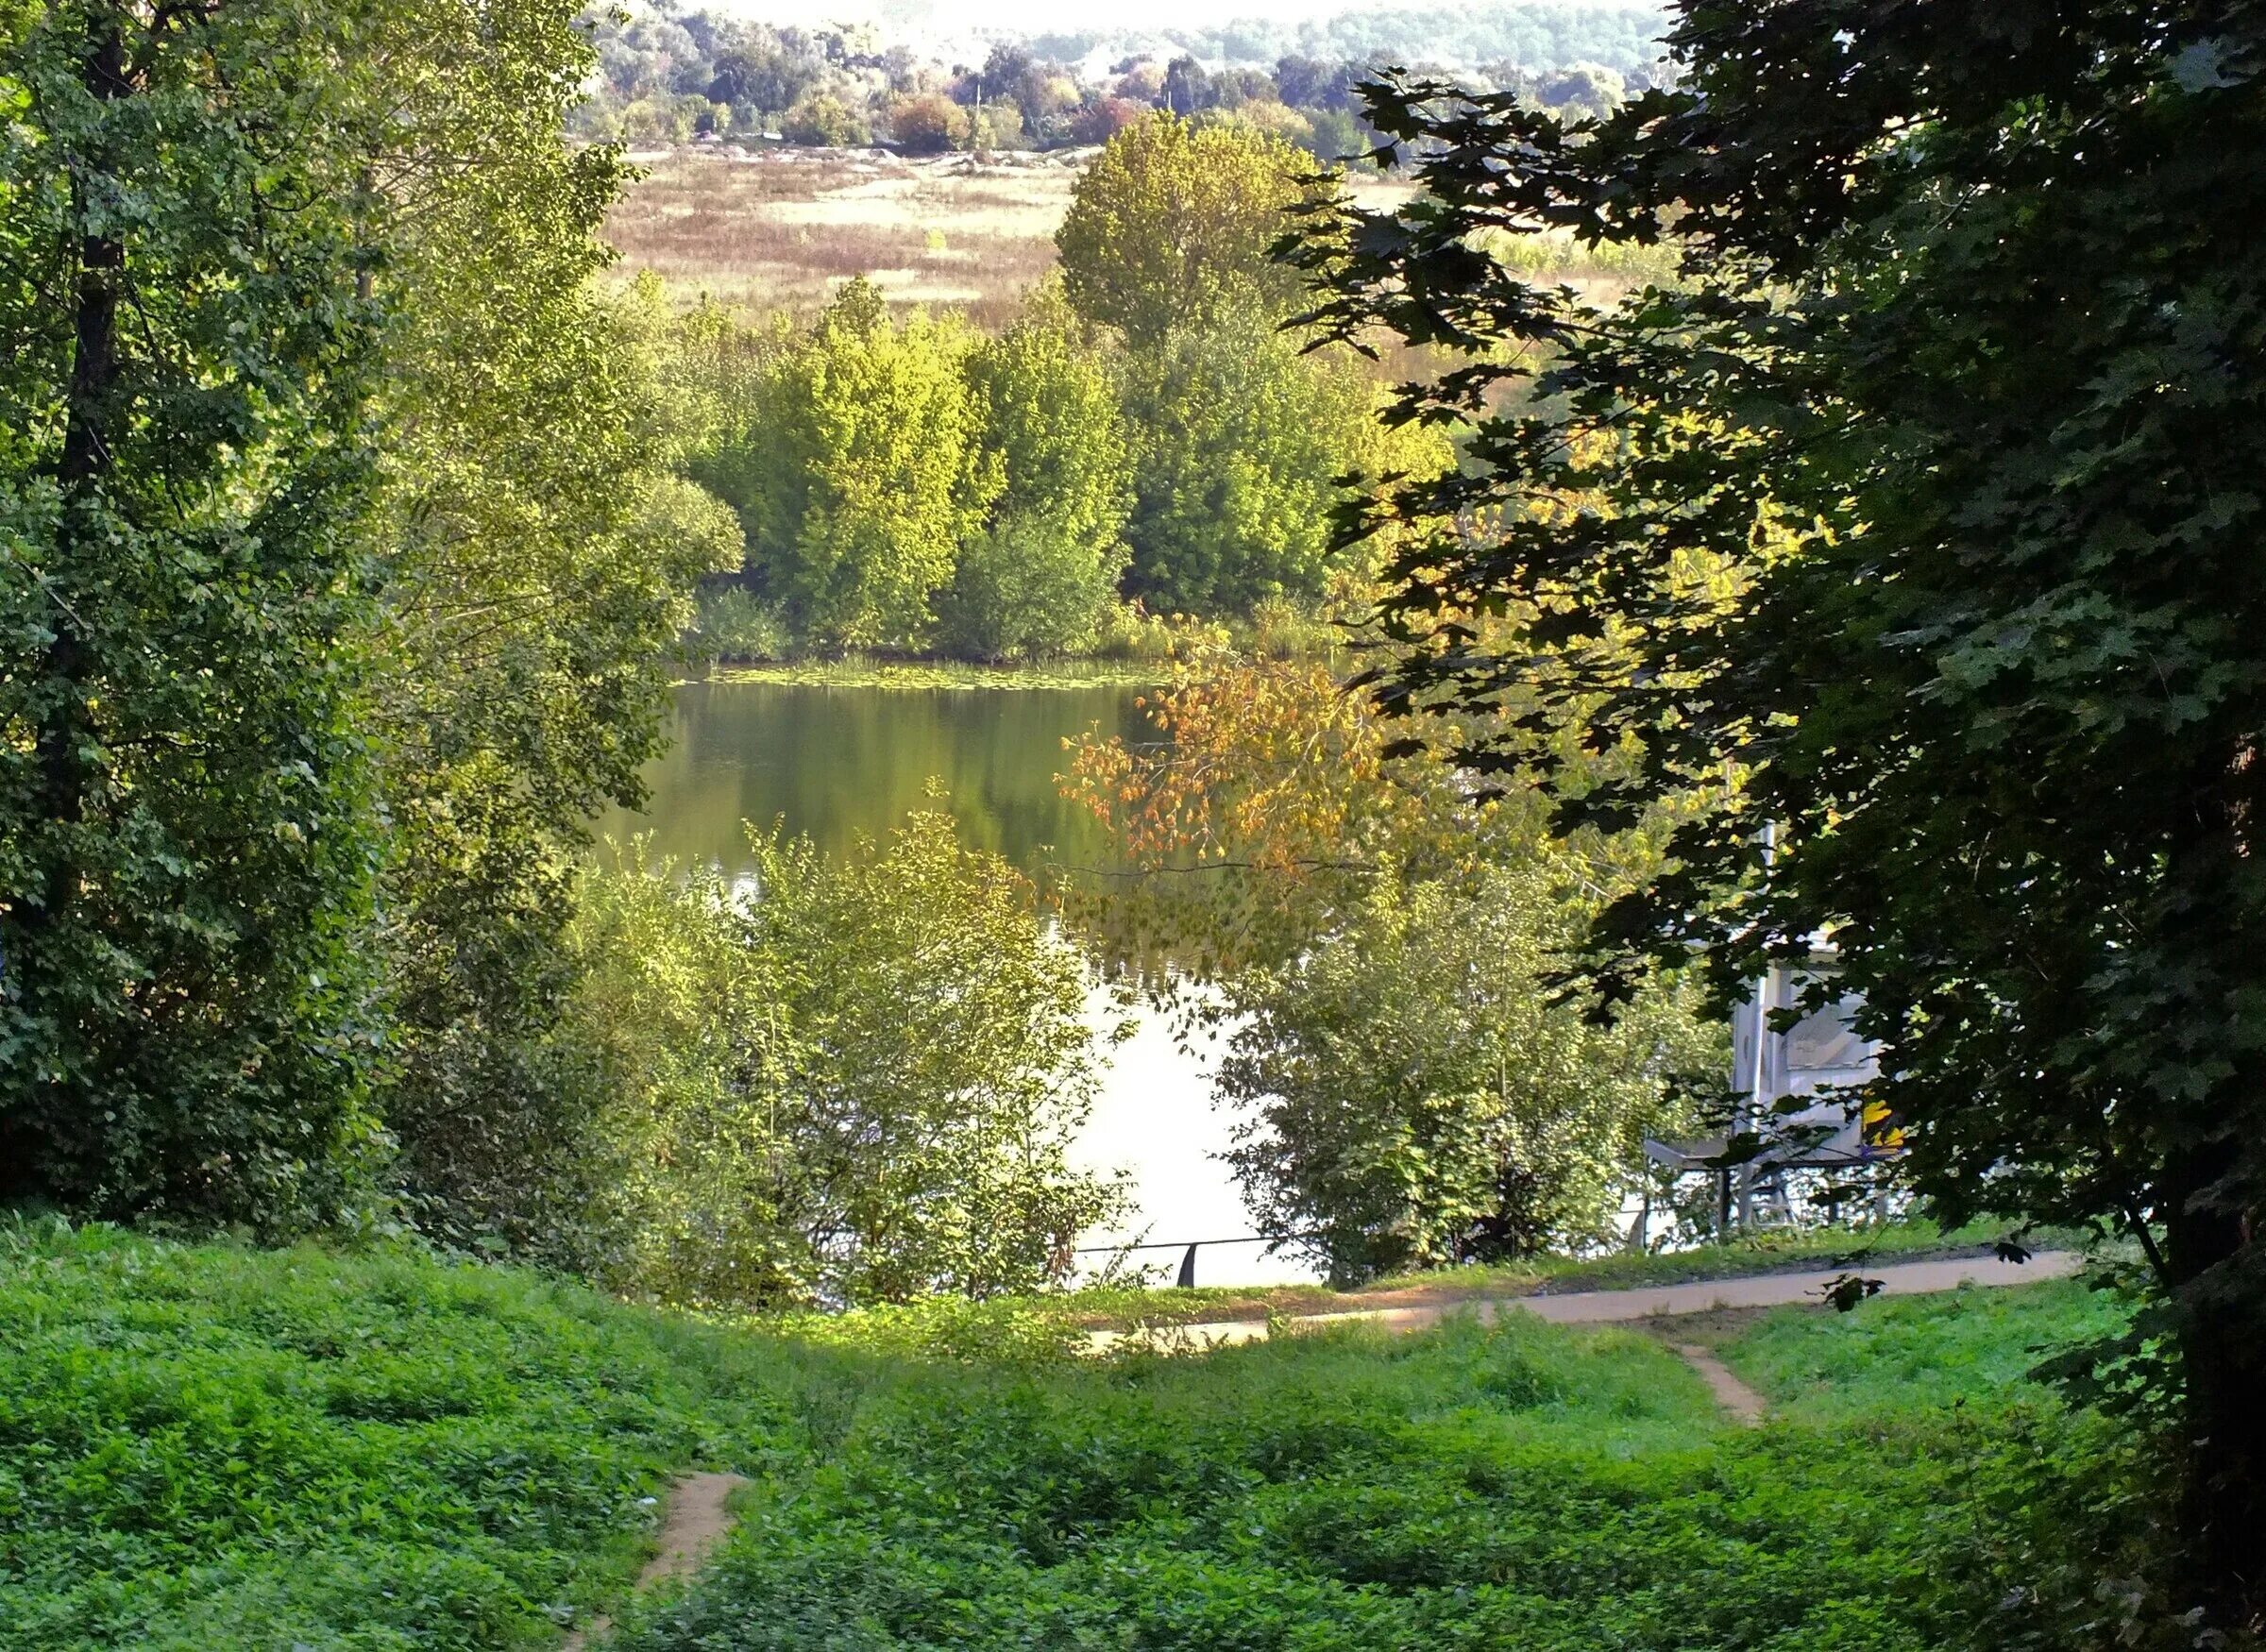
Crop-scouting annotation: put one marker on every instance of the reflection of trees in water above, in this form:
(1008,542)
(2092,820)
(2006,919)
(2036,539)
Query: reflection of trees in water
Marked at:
(835,762)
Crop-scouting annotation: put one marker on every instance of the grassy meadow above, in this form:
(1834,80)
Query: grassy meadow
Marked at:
(212,1446)
(783,228)
(780,229)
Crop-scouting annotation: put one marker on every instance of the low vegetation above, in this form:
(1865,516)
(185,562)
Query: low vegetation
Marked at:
(213,1446)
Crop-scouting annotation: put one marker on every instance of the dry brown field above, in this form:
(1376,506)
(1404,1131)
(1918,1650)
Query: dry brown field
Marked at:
(782,228)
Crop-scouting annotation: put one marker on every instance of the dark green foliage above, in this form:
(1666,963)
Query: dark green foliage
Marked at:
(184,473)
(1977,415)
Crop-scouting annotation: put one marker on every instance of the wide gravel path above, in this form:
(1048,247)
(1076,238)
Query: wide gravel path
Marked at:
(1642,1302)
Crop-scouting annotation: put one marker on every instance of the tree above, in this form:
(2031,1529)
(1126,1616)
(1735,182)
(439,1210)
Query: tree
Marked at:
(1038,574)
(185,474)
(1414,1094)
(1382,949)
(1241,445)
(1170,225)
(856,470)
(1964,348)
(538,559)
(860,1086)
(824,120)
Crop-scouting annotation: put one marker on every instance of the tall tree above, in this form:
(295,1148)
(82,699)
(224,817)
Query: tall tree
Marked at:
(856,470)
(1170,225)
(1044,565)
(1241,449)
(539,558)
(1966,366)
(185,863)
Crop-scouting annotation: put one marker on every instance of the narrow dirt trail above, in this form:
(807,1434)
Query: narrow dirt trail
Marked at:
(1646,1302)
(1735,1396)
(693,1520)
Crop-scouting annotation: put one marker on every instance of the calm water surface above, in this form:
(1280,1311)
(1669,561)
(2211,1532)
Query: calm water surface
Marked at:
(837,763)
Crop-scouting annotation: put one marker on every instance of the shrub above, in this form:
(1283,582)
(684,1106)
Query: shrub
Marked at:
(825,121)
(928,123)
(860,1086)
(736,624)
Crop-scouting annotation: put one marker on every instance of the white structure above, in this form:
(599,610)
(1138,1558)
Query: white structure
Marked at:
(1823,1056)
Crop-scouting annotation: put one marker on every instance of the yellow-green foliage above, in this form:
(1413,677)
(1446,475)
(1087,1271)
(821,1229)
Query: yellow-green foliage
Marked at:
(853,461)
(859,1087)
(1171,225)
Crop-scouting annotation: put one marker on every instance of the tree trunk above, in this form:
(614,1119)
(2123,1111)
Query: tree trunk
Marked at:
(2221,1338)
(63,730)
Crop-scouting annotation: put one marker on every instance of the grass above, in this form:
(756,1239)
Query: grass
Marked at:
(781,231)
(215,1447)
(1521,1486)
(1913,1352)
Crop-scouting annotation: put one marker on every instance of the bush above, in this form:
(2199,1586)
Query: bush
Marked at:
(735,624)
(861,1086)
(825,121)
(1024,588)
(927,123)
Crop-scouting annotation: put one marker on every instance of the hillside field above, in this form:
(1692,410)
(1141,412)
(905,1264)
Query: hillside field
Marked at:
(211,1446)
(780,229)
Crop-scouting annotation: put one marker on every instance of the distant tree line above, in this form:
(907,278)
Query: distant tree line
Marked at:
(672,76)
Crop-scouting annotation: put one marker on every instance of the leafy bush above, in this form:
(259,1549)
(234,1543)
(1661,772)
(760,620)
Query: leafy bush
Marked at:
(736,624)
(860,1086)
(824,120)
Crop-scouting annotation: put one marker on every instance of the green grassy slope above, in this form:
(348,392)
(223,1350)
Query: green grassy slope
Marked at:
(211,1447)
(1902,1355)
(1523,1487)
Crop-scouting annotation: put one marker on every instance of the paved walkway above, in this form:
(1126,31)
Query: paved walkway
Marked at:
(1643,1302)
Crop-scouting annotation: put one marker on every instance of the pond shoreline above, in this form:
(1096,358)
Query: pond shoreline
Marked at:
(933,674)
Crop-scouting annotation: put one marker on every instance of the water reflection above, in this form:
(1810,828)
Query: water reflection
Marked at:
(837,763)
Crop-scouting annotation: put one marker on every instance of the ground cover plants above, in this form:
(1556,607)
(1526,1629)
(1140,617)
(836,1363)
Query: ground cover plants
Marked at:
(215,1446)
(1516,1486)
(212,1446)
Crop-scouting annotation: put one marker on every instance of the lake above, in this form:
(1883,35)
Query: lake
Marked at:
(838,762)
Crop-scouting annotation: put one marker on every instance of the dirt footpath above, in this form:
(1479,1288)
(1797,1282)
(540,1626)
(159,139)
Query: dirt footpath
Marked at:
(693,1522)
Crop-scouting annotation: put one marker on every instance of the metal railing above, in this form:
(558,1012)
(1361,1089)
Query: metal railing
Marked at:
(1187,1278)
